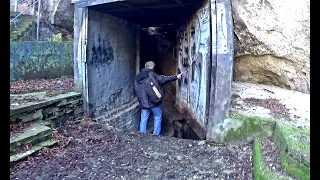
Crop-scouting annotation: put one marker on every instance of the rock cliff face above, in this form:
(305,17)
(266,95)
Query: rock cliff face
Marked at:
(59,14)
(272,40)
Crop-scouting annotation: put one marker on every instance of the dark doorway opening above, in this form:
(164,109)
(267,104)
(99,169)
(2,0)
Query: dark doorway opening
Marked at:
(159,21)
(157,44)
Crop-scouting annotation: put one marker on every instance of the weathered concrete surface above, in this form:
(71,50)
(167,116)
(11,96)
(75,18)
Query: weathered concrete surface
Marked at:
(125,117)
(222,63)
(86,3)
(273,43)
(297,103)
(194,62)
(239,128)
(111,59)
(36,60)
(79,52)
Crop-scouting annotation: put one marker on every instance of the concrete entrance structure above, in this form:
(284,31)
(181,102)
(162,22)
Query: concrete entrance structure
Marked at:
(107,57)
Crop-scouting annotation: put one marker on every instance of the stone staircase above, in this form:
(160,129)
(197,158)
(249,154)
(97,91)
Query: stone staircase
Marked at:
(36,136)
(20,26)
(32,123)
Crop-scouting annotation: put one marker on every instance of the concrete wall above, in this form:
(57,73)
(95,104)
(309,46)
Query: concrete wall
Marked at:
(36,60)
(80,49)
(222,63)
(194,62)
(124,117)
(111,59)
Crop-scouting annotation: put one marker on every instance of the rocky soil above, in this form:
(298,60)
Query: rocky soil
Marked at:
(98,151)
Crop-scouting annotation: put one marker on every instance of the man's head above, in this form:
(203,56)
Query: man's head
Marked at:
(150,65)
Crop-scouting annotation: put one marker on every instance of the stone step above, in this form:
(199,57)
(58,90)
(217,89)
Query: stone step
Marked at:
(32,135)
(293,143)
(46,123)
(261,170)
(35,148)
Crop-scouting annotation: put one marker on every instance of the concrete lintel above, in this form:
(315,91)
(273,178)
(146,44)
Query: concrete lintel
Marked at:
(86,3)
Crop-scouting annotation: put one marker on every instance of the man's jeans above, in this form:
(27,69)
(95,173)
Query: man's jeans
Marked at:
(157,115)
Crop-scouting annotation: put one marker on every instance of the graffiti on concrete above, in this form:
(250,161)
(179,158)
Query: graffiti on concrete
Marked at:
(194,49)
(110,58)
(102,52)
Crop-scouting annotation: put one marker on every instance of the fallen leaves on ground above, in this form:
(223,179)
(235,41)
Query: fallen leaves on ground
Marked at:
(39,85)
(21,100)
(274,105)
(98,151)
(21,149)
(18,127)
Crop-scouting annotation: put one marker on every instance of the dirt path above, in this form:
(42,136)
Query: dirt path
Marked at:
(100,152)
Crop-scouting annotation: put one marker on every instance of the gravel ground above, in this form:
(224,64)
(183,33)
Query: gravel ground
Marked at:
(271,157)
(97,151)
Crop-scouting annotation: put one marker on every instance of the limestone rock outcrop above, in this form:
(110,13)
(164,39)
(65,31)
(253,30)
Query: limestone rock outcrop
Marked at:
(272,43)
(59,13)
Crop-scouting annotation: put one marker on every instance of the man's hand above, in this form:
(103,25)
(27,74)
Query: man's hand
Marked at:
(179,76)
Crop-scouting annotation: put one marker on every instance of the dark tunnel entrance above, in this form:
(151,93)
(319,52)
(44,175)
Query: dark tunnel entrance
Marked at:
(158,44)
(121,37)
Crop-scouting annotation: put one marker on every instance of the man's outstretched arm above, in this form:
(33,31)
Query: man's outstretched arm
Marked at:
(162,79)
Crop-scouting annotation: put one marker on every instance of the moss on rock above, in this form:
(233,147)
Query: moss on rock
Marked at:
(294,145)
(260,170)
(243,128)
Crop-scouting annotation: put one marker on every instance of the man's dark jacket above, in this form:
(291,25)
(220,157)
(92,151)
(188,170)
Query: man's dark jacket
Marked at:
(140,89)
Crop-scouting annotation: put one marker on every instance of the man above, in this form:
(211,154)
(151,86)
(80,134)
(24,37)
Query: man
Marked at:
(144,102)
